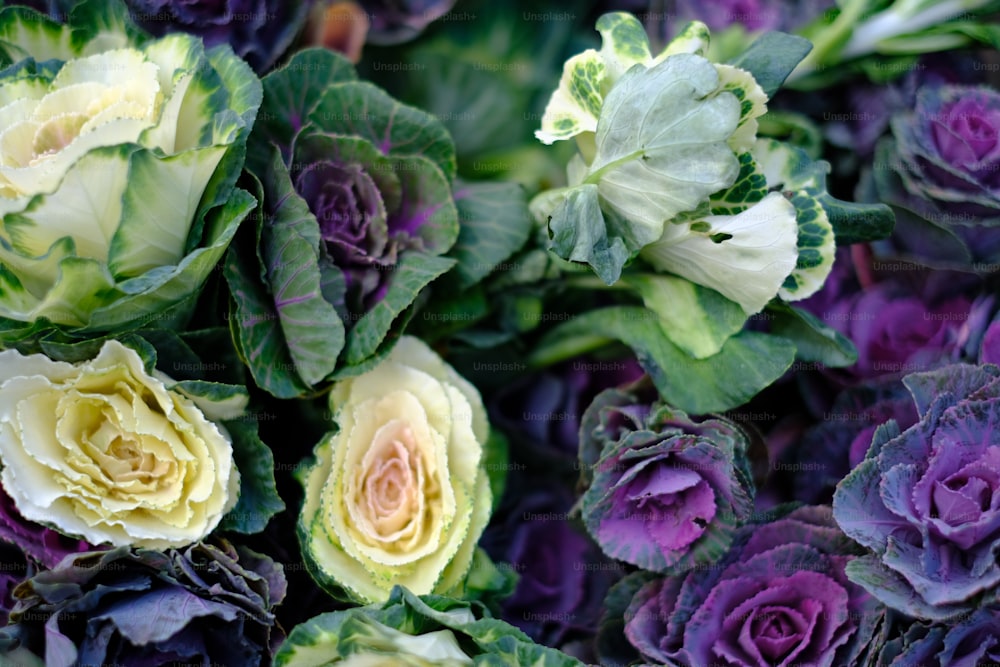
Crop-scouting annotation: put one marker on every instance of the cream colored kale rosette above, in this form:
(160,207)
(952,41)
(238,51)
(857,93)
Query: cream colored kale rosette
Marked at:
(108,452)
(119,156)
(398,494)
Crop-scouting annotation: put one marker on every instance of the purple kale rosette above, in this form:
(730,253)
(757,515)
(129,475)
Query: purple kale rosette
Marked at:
(201,605)
(561,575)
(396,21)
(357,213)
(941,172)
(968,641)
(926,501)
(260,31)
(779,597)
(666,490)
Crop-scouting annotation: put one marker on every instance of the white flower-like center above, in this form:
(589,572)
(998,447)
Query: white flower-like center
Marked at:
(392,494)
(101,100)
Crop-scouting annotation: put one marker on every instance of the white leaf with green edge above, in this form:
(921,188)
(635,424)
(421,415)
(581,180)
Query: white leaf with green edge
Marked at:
(753,105)
(624,44)
(82,285)
(576,104)
(152,293)
(99,25)
(817,249)
(745,257)
(25,33)
(696,319)
(158,208)
(411,631)
(87,207)
(747,363)
(413,272)
(364,110)
(258,500)
(290,94)
(662,144)
(581,233)
(791,169)
(693,38)
(494,224)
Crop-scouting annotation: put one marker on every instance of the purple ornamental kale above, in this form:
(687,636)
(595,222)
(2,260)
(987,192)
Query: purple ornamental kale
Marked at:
(667,490)
(545,409)
(42,544)
(828,451)
(201,605)
(968,641)
(941,172)
(562,577)
(396,21)
(779,597)
(926,501)
(260,31)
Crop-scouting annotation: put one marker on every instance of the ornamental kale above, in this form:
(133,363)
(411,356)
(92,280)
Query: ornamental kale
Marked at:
(412,631)
(941,172)
(119,163)
(966,642)
(204,604)
(357,212)
(258,30)
(667,491)
(779,597)
(925,501)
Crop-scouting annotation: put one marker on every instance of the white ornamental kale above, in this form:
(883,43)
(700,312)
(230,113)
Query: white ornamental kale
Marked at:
(669,165)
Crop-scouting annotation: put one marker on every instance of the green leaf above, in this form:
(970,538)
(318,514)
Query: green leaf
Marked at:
(581,233)
(696,319)
(412,274)
(259,499)
(290,250)
(291,92)
(746,364)
(493,224)
(496,462)
(772,57)
(814,340)
(397,130)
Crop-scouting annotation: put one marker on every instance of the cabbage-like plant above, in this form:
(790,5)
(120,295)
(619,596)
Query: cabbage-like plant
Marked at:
(119,161)
(412,631)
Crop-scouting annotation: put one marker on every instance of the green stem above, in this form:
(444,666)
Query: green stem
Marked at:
(830,39)
(566,349)
(611,166)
